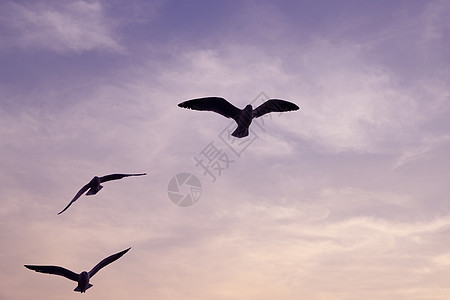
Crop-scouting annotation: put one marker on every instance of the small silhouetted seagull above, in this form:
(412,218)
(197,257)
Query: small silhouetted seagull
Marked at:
(83,277)
(94,186)
(243,117)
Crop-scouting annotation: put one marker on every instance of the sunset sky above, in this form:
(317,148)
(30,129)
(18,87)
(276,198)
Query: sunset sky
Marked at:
(347,198)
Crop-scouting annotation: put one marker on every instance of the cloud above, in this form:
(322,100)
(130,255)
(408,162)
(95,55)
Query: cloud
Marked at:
(435,21)
(69,27)
(261,252)
(348,103)
(420,152)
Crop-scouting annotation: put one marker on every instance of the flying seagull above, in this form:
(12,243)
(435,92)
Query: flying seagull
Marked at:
(243,117)
(83,277)
(94,186)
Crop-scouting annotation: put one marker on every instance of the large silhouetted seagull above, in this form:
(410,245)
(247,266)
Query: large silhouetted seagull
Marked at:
(83,277)
(94,186)
(243,117)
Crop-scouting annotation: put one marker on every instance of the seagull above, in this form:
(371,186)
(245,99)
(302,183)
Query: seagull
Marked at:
(83,277)
(243,117)
(94,186)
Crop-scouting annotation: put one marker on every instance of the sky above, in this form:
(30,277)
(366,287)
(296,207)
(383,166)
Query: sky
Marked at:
(346,198)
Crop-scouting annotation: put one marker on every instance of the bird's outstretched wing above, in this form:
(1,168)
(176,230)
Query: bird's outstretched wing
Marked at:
(274,105)
(107,261)
(118,176)
(78,195)
(215,104)
(55,270)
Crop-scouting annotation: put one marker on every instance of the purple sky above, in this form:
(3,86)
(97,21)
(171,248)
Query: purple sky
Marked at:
(345,199)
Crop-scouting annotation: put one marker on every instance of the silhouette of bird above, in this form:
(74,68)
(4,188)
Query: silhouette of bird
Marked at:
(82,278)
(94,186)
(243,117)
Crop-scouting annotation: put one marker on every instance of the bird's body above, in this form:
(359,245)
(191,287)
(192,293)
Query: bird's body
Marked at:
(243,117)
(84,277)
(94,186)
(83,282)
(244,120)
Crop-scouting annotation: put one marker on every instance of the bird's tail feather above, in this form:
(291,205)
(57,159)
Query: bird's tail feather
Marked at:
(77,289)
(240,132)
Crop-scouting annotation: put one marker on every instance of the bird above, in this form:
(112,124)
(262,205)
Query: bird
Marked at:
(243,117)
(82,278)
(94,186)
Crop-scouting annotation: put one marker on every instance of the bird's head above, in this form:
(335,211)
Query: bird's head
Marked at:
(95,180)
(83,280)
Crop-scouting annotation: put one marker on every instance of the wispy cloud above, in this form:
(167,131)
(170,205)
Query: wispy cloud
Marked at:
(61,27)
(420,151)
